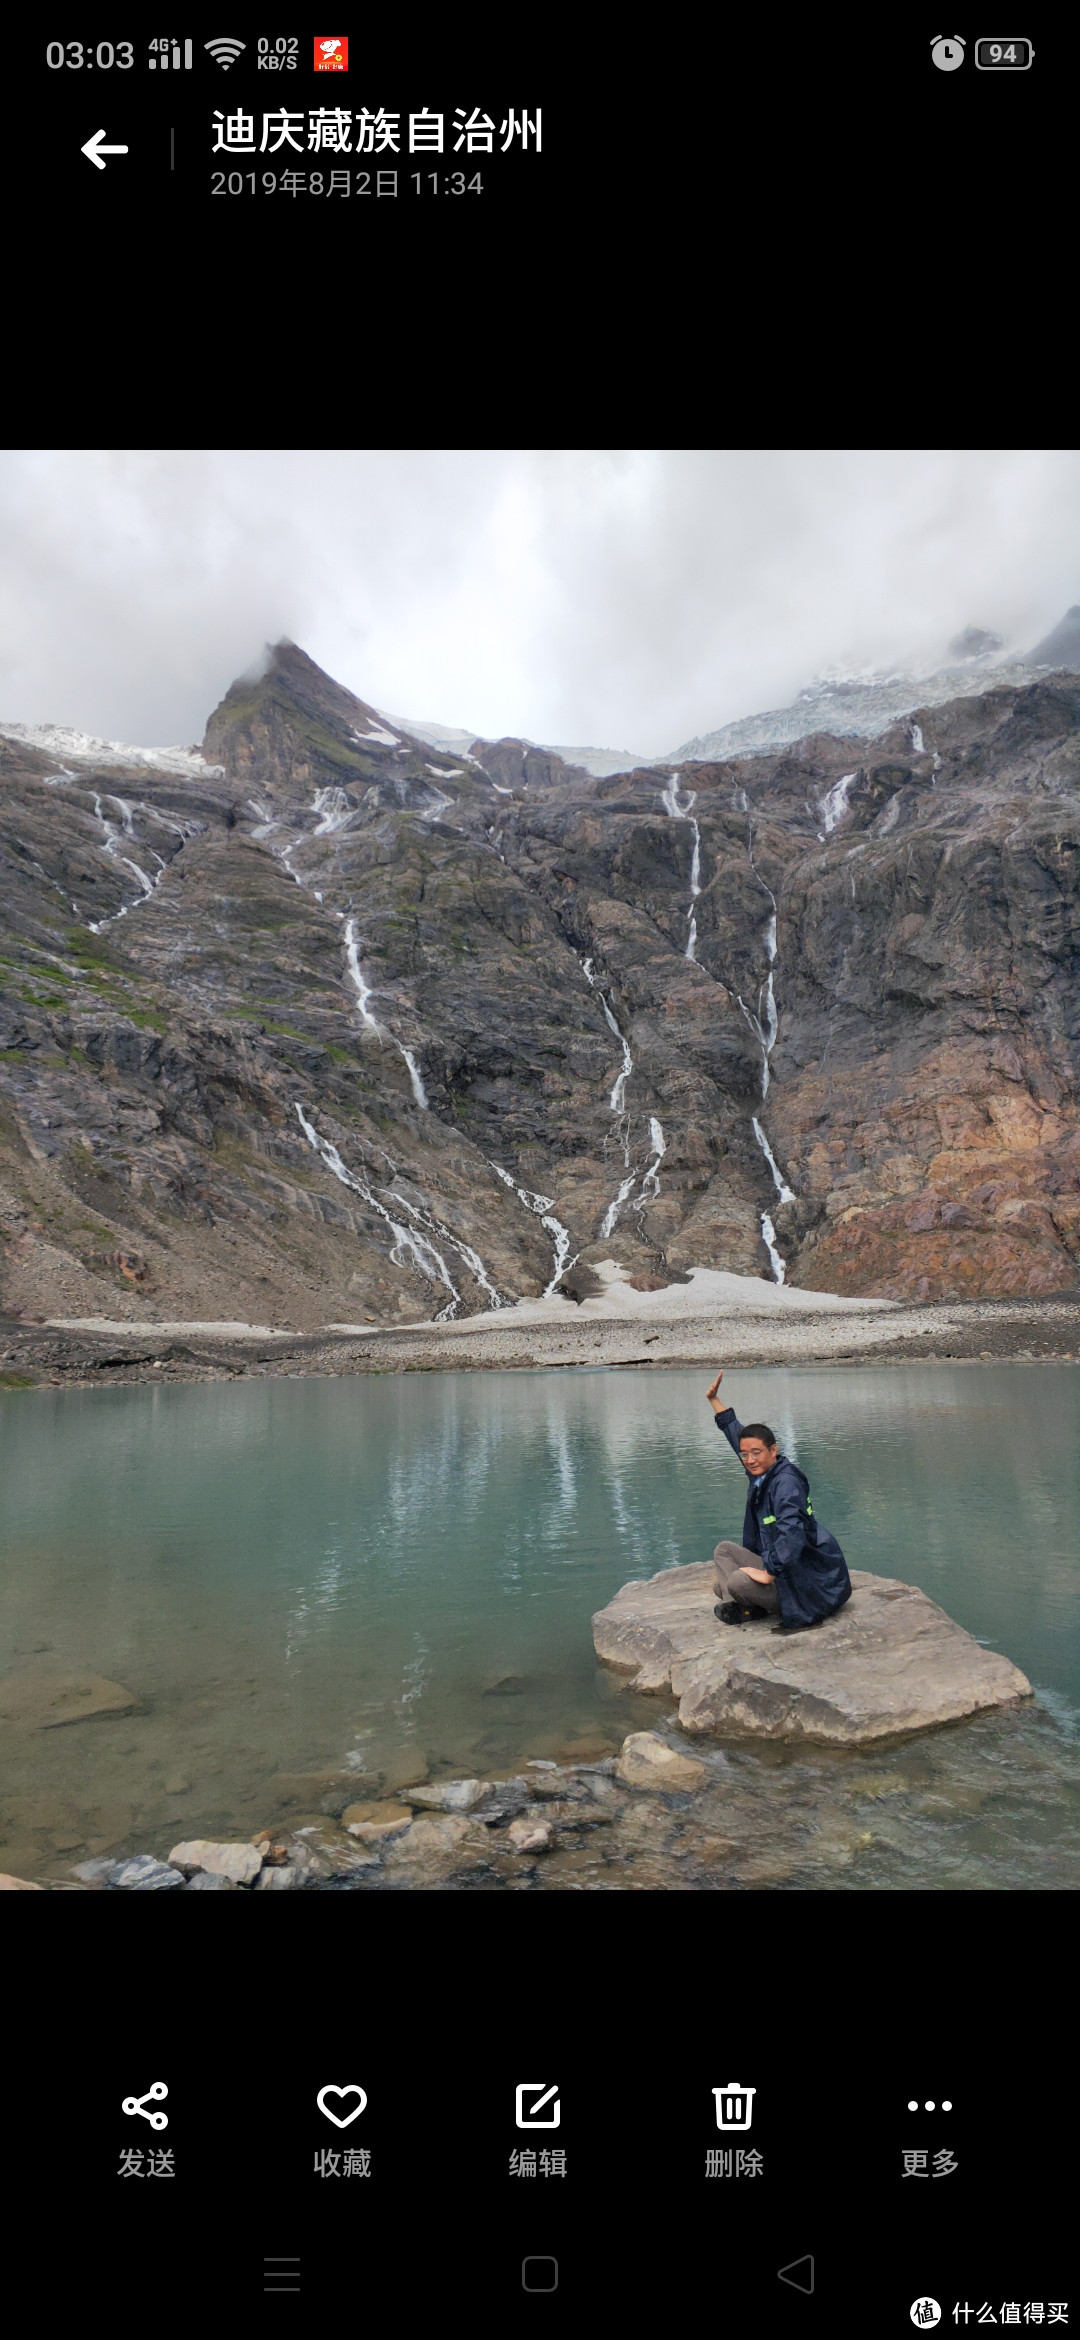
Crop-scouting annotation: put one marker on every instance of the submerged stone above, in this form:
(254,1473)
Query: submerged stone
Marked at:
(450,1795)
(888,1663)
(647,1761)
(430,1839)
(43,1692)
(530,1835)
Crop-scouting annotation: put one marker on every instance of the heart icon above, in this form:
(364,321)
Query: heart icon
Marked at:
(341,2120)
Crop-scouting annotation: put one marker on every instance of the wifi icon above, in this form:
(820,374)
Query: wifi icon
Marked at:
(226,52)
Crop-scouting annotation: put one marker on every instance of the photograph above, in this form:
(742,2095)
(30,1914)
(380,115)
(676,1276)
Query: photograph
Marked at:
(593,967)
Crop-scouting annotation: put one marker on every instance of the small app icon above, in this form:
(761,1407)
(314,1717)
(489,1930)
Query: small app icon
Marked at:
(343,2118)
(138,2104)
(534,2096)
(947,51)
(331,55)
(925,2313)
(734,2106)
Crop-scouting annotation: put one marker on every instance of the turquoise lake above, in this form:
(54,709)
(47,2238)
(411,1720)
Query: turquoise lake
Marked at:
(378,1575)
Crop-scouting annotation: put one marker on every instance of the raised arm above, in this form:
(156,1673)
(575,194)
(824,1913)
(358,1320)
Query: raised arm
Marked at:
(726,1418)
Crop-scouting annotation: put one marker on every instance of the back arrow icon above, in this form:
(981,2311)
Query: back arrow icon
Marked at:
(94,149)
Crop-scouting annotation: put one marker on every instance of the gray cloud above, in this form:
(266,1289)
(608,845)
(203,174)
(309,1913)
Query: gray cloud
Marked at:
(618,598)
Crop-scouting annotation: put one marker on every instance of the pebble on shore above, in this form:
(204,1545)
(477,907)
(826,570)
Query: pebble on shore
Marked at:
(440,1826)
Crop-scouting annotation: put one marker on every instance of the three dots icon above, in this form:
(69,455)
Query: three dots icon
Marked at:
(929,2104)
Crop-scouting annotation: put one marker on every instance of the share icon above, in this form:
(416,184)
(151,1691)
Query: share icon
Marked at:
(138,2104)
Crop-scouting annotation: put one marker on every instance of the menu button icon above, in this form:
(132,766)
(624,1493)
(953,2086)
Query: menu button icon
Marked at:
(281,2274)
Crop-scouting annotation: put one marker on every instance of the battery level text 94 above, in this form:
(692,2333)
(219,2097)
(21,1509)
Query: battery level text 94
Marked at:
(1004,56)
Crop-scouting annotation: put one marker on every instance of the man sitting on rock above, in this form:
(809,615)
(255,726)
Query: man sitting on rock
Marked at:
(806,1579)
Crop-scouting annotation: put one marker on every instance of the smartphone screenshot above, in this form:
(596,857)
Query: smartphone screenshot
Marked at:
(539,1122)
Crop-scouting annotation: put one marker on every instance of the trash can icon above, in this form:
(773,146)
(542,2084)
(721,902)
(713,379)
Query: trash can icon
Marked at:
(734,2106)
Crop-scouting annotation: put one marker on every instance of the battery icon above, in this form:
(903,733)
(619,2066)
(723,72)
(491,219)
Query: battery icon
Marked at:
(1003,56)
(168,51)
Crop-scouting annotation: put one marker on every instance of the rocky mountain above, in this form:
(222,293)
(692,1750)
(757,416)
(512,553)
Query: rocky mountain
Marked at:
(327,1025)
(862,706)
(599,762)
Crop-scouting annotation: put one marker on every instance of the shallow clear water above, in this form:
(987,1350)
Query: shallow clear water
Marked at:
(376,1574)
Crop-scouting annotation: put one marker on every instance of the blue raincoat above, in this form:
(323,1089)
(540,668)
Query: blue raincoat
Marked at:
(810,1569)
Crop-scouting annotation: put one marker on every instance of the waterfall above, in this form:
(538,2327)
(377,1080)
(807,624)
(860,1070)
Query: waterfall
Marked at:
(682,812)
(618,1093)
(770,1013)
(430,1262)
(415,1239)
(835,804)
(917,740)
(613,1209)
(334,810)
(418,1089)
(616,1101)
(146,885)
(650,1184)
(562,1246)
(464,1250)
(768,1233)
(532,1202)
(783,1191)
(763,1044)
(364,992)
(541,1204)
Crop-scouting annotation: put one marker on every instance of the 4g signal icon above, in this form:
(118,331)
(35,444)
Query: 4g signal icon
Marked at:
(225,52)
(167,51)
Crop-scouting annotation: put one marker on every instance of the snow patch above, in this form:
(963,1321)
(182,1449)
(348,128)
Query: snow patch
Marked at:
(379,738)
(81,747)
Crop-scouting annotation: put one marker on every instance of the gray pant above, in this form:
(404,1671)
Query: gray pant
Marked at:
(732,1583)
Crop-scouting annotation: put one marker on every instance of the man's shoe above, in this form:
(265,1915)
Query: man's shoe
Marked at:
(731,1613)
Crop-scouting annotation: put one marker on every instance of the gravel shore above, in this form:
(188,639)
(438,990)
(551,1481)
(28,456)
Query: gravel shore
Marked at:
(713,1320)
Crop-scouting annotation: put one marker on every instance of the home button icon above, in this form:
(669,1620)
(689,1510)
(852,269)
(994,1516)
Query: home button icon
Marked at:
(539,2274)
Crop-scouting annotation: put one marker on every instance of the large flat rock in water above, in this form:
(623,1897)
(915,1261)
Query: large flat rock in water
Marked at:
(44,1692)
(889,1662)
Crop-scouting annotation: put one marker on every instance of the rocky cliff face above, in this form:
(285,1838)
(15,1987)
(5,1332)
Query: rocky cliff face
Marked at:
(337,1027)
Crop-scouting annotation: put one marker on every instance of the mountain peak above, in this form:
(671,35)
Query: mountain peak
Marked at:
(1062,647)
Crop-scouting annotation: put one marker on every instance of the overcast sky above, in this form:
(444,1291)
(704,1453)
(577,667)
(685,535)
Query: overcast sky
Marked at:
(608,599)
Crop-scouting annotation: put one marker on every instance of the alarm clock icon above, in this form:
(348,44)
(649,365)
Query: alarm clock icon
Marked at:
(947,51)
